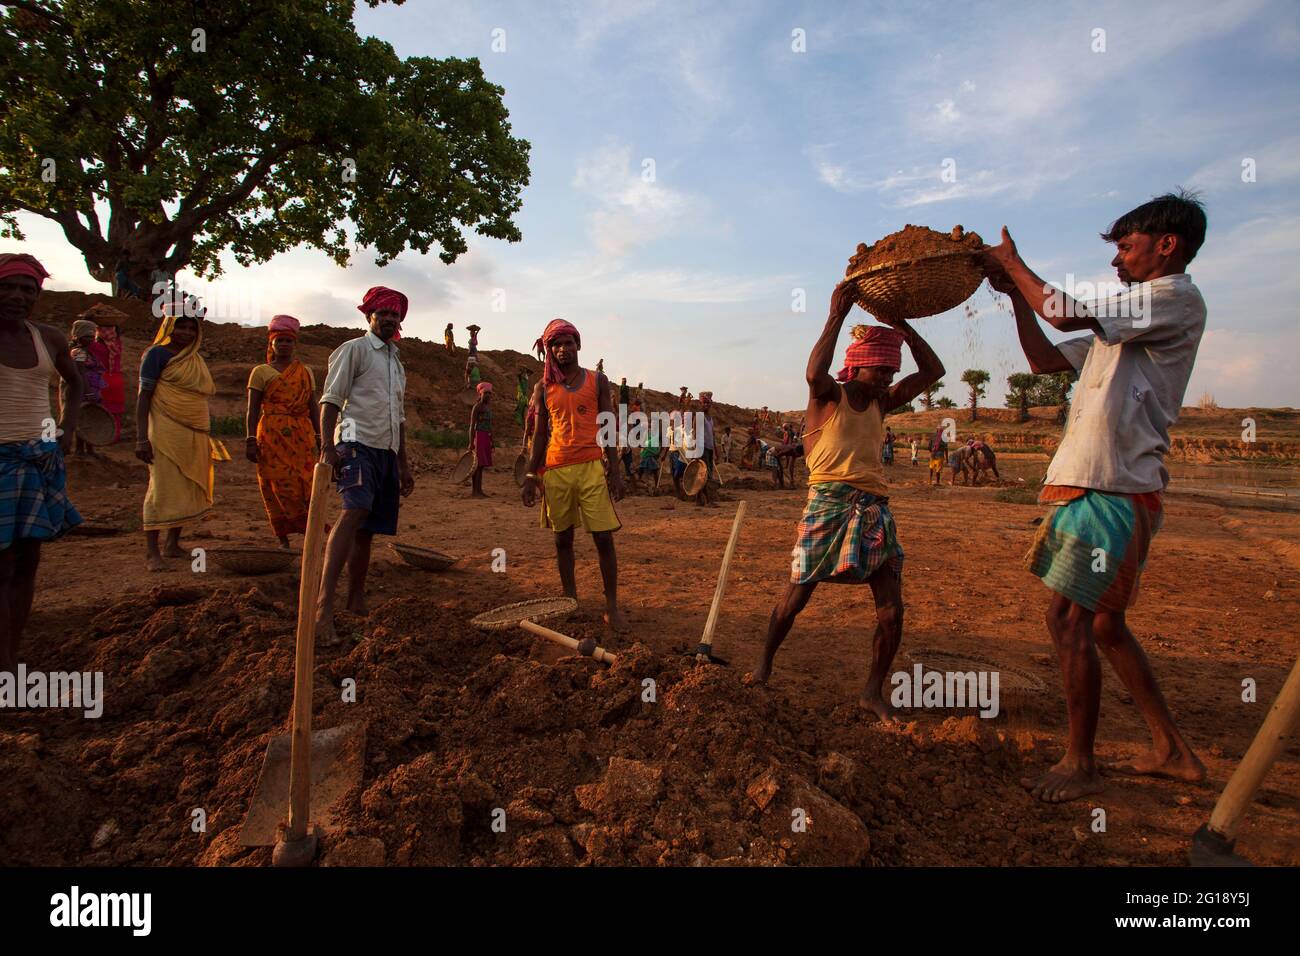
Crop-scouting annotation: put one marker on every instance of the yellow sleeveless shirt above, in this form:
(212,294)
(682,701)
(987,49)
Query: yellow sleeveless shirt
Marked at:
(849,448)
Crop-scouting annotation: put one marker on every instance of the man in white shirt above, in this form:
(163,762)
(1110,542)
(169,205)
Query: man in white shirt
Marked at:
(1106,479)
(363,407)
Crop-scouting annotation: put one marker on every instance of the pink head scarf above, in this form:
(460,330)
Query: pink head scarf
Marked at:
(381,297)
(873,345)
(555,327)
(484,387)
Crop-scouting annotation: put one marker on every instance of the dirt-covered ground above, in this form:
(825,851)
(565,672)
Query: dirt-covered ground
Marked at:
(463,723)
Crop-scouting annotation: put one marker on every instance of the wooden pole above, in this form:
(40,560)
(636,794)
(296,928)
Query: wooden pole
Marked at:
(706,640)
(599,653)
(1278,725)
(313,559)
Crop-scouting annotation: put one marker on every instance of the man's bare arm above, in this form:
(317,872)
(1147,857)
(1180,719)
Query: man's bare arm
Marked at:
(541,432)
(1059,310)
(929,368)
(1044,357)
(821,385)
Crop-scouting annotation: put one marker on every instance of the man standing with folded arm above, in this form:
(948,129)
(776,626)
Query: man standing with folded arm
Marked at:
(366,386)
(1105,482)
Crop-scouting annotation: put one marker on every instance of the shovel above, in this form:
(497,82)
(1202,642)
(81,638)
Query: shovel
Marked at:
(1213,843)
(306,771)
(704,651)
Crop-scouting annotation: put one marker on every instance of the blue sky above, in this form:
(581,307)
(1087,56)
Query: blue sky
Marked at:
(770,165)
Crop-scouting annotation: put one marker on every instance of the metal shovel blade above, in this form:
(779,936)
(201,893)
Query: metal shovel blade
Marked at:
(337,756)
(1211,849)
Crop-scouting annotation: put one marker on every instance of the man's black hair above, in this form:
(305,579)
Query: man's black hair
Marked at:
(1181,213)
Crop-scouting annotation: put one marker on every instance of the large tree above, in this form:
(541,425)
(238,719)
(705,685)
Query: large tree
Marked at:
(975,379)
(158,134)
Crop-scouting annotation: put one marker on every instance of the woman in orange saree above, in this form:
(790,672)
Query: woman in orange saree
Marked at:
(283,434)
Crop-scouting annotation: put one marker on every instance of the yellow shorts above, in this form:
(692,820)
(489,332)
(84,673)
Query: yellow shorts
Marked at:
(574,494)
(936,466)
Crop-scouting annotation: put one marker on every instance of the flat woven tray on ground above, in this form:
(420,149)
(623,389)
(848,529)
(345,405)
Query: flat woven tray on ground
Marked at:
(426,559)
(252,560)
(1010,679)
(939,272)
(539,609)
(95,426)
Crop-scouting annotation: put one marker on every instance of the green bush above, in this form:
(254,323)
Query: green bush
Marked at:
(227,425)
(443,437)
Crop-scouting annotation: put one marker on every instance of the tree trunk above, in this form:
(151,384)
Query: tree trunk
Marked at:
(1024,407)
(974,405)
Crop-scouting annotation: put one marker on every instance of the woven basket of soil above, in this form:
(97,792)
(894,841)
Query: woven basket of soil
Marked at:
(426,559)
(916,272)
(252,560)
(96,426)
(521,469)
(539,609)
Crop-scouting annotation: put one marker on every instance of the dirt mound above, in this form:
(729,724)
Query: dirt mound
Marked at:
(653,761)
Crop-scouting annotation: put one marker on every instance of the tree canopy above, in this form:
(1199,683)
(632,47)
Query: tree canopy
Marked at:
(159,134)
(976,379)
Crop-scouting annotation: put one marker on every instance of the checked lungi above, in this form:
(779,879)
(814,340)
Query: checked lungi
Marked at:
(1092,545)
(33,501)
(845,536)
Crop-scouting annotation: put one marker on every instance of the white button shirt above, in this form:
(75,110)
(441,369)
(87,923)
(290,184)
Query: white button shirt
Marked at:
(367,382)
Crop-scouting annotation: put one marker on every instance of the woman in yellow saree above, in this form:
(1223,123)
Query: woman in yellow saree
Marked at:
(172,425)
(283,437)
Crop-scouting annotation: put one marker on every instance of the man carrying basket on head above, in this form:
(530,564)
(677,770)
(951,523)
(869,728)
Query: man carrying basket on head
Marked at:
(573,487)
(847,531)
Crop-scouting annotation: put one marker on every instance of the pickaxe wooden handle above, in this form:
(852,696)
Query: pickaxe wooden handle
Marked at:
(706,639)
(1279,724)
(586,647)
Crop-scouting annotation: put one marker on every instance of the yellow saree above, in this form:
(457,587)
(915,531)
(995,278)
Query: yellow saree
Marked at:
(181,477)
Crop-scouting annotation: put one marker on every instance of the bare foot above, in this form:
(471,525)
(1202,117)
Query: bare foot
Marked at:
(479,494)
(154,562)
(174,551)
(762,672)
(877,705)
(357,605)
(326,636)
(284,544)
(1065,781)
(1179,765)
(615,621)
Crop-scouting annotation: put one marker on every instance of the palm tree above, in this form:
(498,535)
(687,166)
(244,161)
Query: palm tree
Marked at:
(976,378)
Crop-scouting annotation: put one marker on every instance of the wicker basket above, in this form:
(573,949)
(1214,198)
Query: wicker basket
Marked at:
(1016,686)
(521,469)
(539,609)
(695,477)
(463,469)
(96,426)
(426,559)
(941,274)
(252,560)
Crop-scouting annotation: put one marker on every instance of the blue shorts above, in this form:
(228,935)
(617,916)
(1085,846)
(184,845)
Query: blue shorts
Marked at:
(679,464)
(368,481)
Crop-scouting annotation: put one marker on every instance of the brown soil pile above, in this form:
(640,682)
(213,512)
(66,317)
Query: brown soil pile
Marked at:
(909,243)
(587,765)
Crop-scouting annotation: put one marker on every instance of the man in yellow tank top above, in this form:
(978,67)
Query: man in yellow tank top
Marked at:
(846,534)
(34,506)
(566,465)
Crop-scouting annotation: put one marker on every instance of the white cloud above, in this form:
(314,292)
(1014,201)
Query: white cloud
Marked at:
(631,209)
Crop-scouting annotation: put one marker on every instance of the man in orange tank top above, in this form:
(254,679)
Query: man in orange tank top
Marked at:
(34,506)
(566,465)
(847,532)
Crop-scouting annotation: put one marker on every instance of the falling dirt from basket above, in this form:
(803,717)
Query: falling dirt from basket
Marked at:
(916,272)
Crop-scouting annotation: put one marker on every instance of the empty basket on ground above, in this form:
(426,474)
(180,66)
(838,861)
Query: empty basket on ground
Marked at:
(916,272)
(695,477)
(426,559)
(539,609)
(95,426)
(252,560)
(1016,686)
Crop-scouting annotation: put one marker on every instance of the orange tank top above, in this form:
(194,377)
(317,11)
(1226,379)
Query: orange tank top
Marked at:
(573,422)
(849,448)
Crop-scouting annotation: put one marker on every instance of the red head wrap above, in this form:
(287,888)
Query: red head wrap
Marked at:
(554,328)
(22,264)
(381,297)
(873,345)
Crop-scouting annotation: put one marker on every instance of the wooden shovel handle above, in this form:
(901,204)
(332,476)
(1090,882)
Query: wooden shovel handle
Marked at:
(716,608)
(1279,724)
(600,654)
(304,663)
